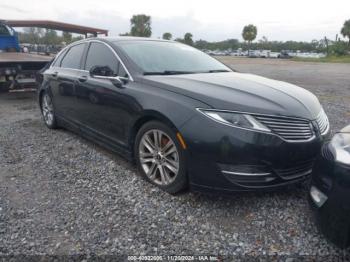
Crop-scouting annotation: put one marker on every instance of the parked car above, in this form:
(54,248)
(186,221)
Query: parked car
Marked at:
(330,189)
(253,53)
(184,117)
(284,54)
(274,54)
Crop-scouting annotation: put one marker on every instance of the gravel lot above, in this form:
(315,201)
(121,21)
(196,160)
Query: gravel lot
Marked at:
(60,194)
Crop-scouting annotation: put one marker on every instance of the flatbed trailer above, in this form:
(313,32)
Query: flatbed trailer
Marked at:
(19,70)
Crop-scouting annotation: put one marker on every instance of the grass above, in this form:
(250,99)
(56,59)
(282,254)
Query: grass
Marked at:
(328,59)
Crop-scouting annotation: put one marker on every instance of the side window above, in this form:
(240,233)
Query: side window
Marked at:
(100,55)
(73,57)
(57,62)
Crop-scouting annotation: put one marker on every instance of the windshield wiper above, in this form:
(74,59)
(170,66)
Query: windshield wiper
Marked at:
(175,72)
(169,72)
(218,70)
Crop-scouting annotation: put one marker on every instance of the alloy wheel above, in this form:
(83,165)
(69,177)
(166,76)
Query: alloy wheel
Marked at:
(159,157)
(47,109)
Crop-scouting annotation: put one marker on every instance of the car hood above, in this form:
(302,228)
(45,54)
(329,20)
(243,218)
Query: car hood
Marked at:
(242,92)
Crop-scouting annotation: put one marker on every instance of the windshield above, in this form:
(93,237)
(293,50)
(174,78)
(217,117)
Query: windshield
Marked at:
(157,57)
(4,30)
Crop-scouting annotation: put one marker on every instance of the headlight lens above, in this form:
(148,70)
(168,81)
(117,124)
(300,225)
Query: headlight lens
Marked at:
(235,119)
(340,147)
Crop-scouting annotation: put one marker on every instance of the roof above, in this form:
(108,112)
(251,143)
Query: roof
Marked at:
(130,38)
(57,26)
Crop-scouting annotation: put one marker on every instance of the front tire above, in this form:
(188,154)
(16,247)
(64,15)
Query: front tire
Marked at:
(47,111)
(160,157)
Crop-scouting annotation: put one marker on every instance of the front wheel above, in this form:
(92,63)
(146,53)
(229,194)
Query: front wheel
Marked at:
(160,157)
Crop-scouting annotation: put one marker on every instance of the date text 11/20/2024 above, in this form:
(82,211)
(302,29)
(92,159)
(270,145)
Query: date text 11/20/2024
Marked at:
(174,258)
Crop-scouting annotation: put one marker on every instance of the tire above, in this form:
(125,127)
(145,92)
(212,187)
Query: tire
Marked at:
(4,87)
(48,111)
(163,165)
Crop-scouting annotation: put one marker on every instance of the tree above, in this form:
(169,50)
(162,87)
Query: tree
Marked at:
(50,37)
(249,33)
(345,31)
(77,38)
(264,43)
(181,40)
(67,37)
(188,39)
(167,36)
(141,25)
(34,34)
(339,48)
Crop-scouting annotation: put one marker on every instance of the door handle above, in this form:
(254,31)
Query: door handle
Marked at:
(82,78)
(55,74)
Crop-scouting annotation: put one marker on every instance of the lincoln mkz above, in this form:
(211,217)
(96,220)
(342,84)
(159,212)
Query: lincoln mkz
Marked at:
(186,119)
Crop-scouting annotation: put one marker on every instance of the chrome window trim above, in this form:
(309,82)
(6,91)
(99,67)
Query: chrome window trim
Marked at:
(89,41)
(56,57)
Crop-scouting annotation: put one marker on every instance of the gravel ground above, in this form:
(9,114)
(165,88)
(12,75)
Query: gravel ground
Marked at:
(62,195)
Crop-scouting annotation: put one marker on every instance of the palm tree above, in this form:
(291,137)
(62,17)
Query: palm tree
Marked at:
(345,31)
(141,25)
(249,34)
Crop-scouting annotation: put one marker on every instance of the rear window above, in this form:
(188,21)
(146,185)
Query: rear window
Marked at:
(73,57)
(57,62)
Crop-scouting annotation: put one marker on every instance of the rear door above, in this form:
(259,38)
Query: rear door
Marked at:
(63,79)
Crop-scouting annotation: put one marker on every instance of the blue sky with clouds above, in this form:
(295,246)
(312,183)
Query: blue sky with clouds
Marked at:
(209,20)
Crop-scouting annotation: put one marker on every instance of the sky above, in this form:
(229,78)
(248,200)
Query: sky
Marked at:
(299,20)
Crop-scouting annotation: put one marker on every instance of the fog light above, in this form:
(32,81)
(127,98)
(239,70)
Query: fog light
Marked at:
(317,196)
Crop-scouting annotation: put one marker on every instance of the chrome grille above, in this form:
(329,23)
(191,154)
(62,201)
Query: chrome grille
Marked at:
(322,122)
(291,129)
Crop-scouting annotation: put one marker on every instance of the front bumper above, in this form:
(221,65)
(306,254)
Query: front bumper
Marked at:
(333,180)
(225,158)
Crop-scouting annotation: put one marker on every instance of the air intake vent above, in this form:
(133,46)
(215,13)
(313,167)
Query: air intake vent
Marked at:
(298,170)
(291,129)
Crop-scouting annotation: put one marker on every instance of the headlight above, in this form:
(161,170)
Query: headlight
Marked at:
(235,119)
(340,147)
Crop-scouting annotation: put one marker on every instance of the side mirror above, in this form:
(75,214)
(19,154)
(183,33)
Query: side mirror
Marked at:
(101,71)
(105,72)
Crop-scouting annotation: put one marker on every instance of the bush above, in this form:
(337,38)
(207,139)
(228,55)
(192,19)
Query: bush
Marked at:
(339,48)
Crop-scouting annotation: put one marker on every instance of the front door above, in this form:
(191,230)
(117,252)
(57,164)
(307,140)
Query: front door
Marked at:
(101,105)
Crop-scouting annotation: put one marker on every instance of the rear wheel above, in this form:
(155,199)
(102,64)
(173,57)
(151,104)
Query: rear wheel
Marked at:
(160,157)
(47,110)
